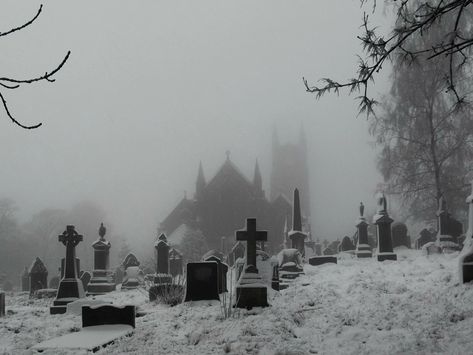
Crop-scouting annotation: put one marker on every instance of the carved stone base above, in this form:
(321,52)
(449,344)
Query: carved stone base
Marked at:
(251,292)
(69,290)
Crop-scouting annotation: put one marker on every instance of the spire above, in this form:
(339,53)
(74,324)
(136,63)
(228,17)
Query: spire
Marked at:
(200,183)
(296,217)
(257,181)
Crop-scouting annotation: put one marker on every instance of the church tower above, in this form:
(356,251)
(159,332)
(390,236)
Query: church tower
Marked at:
(290,171)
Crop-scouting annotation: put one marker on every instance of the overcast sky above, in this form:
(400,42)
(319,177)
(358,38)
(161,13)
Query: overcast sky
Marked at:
(153,87)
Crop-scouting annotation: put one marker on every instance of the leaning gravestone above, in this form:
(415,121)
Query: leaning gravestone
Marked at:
(85,277)
(70,287)
(101,282)
(38,276)
(222,270)
(250,291)
(25,280)
(383,230)
(466,255)
(202,281)
(363,249)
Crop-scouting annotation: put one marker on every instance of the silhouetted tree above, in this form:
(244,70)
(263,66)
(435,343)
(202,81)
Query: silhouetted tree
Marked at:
(8,83)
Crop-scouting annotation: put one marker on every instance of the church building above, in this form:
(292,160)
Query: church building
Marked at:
(221,205)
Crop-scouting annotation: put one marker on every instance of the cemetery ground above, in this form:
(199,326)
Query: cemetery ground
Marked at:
(415,305)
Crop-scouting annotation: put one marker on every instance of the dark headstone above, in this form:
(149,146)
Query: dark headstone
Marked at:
(25,280)
(63,264)
(162,253)
(320,260)
(346,244)
(108,314)
(250,292)
(222,273)
(363,248)
(446,225)
(202,281)
(2,304)
(383,229)
(466,255)
(425,236)
(38,276)
(85,278)
(399,234)
(296,235)
(102,280)
(70,287)
(175,262)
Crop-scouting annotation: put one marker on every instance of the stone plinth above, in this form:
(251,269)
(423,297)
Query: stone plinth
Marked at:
(320,260)
(251,291)
(102,279)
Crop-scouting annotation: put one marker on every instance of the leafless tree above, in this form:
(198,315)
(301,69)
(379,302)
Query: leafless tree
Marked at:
(412,18)
(8,83)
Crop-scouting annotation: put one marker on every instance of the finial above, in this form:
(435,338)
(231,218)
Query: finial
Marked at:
(362,209)
(102,231)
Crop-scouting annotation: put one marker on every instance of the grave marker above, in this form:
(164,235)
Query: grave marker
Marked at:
(466,255)
(38,276)
(363,249)
(383,230)
(296,235)
(101,282)
(202,281)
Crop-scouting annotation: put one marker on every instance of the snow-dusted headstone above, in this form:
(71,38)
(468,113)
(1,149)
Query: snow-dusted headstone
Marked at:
(101,281)
(38,276)
(290,266)
(445,240)
(175,262)
(383,230)
(466,255)
(133,276)
(250,289)
(202,281)
(70,287)
(363,249)
(162,265)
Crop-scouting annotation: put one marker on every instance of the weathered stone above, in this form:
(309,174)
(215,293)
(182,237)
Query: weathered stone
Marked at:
(2,304)
(175,262)
(320,260)
(237,252)
(102,280)
(399,235)
(202,281)
(383,230)
(222,269)
(363,248)
(85,277)
(108,314)
(296,235)
(38,276)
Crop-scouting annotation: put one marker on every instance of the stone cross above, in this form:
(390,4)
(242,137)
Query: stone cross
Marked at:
(70,238)
(251,236)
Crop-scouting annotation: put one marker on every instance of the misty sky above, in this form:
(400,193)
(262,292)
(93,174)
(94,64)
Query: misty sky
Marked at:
(153,87)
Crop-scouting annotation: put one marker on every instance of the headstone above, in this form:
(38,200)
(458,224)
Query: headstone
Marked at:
(175,262)
(2,304)
(133,277)
(290,266)
(320,260)
(85,277)
(162,265)
(425,236)
(102,281)
(25,280)
(445,240)
(363,248)
(108,314)
(222,270)
(70,287)
(275,274)
(296,235)
(38,276)
(318,248)
(399,234)
(54,282)
(383,229)
(213,252)
(466,255)
(202,281)
(250,292)
(346,244)
(63,266)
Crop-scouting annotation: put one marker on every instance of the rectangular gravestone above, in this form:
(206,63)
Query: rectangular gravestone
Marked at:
(202,281)
(108,314)
(320,260)
(2,304)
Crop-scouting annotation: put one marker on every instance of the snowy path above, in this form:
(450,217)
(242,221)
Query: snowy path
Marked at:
(413,306)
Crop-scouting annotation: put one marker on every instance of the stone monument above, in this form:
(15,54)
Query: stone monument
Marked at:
(466,255)
(175,262)
(38,276)
(383,230)
(133,277)
(296,235)
(101,281)
(363,249)
(250,291)
(70,287)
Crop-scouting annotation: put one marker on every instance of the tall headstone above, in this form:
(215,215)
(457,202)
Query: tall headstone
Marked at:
(162,265)
(38,276)
(63,266)
(466,255)
(383,230)
(296,235)
(250,291)
(2,304)
(175,262)
(101,281)
(363,249)
(25,280)
(70,287)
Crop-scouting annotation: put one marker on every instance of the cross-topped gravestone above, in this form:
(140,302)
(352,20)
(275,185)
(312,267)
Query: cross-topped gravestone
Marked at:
(70,287)
(251,236)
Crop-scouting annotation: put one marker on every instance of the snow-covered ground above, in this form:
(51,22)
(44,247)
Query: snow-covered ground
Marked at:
(415,305)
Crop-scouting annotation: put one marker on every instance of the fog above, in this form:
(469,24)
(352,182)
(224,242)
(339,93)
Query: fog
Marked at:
(154,87)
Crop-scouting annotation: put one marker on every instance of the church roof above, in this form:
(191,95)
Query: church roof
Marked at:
(227,171)
(183,210)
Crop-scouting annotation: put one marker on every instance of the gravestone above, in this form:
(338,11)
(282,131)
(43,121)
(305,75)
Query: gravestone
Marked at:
(85,277)
(202,281)
(250,291)
(318,248)
(320,260)
(383,229)
(237,252)
(466,255)
(222,270)
(296,235)
(2,304)
(425,236)
(162,278)
(38,276)
(70,287)
(399,234)
(275,274)
(133,277)
(445,240)
(363,248)
(346,244)
(63,264)
(25,280)
(290,265)
(101,282)
(175,262)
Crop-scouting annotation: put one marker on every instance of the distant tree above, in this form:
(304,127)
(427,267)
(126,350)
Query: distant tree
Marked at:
(193,245)
(413,19)
(426,146)
(8,83)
